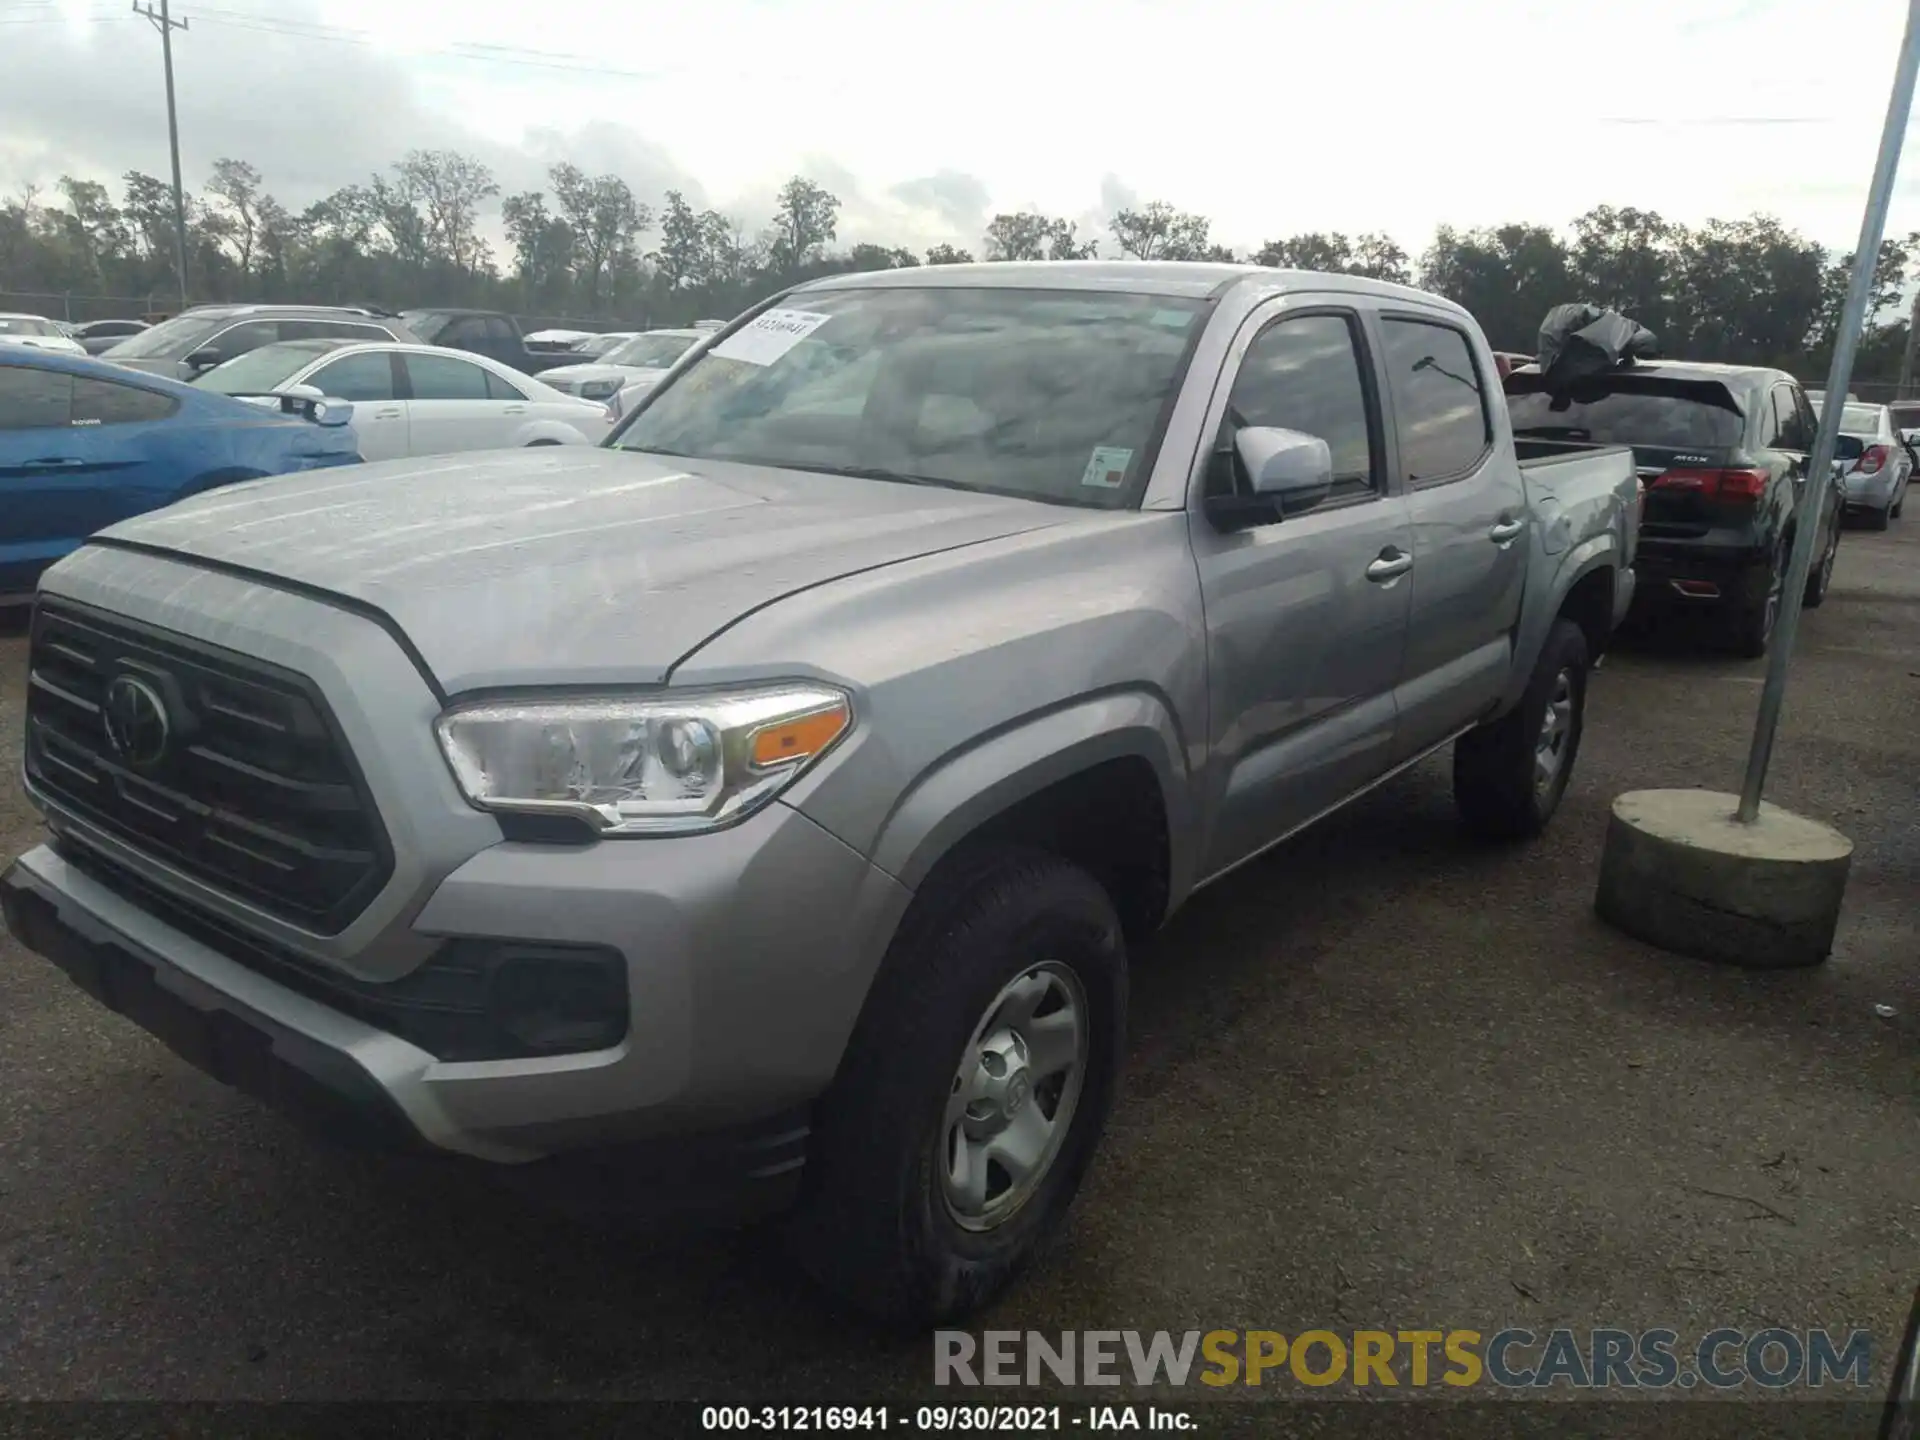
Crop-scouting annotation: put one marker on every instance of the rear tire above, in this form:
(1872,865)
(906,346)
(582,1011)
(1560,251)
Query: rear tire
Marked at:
(1508,776)
(1751,626)
(1821,580)
(1877,519)
(889,1222)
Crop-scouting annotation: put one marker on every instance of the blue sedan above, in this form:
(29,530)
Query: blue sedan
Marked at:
(85,443)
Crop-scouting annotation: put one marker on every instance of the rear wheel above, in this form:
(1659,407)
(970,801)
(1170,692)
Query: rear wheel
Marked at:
(1877,519)
(973,1093)
(1508,776)
(1822,576)
(1752,624)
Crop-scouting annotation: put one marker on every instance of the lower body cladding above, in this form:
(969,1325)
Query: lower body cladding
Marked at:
(617,1007)
(1677,573)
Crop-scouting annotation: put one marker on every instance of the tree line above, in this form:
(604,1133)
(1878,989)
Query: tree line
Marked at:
(1752,289)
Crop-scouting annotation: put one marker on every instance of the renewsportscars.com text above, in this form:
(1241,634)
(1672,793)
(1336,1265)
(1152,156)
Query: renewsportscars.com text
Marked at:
(1598,1359)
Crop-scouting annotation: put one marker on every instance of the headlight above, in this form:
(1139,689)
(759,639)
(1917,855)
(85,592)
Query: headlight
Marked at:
(668,764)
(598,389)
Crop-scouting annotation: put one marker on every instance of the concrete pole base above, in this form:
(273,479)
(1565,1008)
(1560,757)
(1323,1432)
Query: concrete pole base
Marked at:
(1680,872)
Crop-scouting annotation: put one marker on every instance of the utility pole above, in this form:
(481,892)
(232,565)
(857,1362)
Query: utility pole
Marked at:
(166,25)
(1905,391)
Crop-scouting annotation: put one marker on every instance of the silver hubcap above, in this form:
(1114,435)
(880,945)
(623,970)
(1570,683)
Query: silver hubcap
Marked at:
(1556,729)
(1013,1098)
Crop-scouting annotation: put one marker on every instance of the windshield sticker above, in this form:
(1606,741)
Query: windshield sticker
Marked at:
(767,337)
(1107,467)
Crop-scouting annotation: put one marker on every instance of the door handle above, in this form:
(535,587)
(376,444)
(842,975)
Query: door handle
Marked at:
(393,414)
(514,410)
(1391,565)
(1506,532)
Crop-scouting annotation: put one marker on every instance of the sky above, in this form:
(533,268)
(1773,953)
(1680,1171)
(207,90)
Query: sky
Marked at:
(926,118)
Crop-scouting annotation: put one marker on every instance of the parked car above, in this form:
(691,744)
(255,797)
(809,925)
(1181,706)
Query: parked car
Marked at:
(84,444)
(619,377)
(196,340)
(36,332)
(1906,418)
(776,790)
(1723,450)
(99,336)
(597,345)
(416,399)
(1876,463)
(487,332)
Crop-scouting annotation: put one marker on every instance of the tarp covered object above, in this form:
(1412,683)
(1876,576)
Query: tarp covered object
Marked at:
(1580,340)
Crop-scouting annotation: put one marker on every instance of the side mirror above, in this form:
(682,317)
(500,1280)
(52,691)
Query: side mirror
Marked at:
(1293,468)
(204,359)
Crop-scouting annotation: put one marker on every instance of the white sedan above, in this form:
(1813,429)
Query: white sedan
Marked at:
(38,333)
(416,399)
(627,371)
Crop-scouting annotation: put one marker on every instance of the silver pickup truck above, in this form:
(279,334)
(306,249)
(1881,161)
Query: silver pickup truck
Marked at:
(769,798)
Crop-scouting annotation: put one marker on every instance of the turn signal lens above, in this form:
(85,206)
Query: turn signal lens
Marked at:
(797,739)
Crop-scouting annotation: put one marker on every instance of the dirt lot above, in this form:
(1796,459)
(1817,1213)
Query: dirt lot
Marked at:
(1379,1078)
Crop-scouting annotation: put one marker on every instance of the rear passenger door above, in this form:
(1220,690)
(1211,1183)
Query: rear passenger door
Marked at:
(452,407)
(1305,615)
(371,381)
(1467,508)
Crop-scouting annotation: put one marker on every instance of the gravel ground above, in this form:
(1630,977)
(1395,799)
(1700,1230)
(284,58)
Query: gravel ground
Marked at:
(1379,1078)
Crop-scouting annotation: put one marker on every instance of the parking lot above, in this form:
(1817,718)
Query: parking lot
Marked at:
(1378,1078)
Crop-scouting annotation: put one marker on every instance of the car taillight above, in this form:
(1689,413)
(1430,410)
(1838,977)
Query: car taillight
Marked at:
(1872,458)
(1716,484)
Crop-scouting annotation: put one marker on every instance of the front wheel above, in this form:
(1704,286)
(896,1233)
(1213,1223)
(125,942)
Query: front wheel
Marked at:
(973,1093)
(1509,775)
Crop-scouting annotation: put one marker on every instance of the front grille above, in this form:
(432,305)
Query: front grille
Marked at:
(252,789)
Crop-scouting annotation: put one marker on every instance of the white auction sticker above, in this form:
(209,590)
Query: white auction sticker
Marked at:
(1107,467)
(765,338)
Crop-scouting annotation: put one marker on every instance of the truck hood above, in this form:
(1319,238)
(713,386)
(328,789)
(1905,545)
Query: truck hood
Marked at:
(569,565)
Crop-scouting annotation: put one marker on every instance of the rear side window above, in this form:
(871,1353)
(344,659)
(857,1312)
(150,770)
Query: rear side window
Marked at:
(332,329)
(1303,374)
(356,377)
(500,331)
(441,377)
(101,402)
(33,399)
(239,339)
(1439,399)
(498,389)
(467,330)
(1629,410)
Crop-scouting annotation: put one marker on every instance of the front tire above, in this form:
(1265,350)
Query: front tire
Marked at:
(1509,775)
(973,1093)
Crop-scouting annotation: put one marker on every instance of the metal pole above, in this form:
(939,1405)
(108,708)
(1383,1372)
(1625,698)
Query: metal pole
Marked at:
(166,25)
(1807,534)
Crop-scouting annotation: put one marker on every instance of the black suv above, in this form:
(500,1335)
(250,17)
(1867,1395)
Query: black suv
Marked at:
(208,335)
(1722,450)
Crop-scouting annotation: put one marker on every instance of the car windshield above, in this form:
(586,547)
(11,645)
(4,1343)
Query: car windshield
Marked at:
(1049,395)
(1860,419)
(25,325)
(1628,410)
(259,371)
(173,339)
(649,352)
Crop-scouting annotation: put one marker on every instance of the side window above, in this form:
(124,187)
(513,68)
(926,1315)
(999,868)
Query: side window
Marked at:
(1778,435)
(101,402)
(331,330)
(1304,374)
(441,377)
(500,331)
(32,399)
(498,389)
(239,339)
(1806,423)
(1439,399)
(367,378)
(464,332)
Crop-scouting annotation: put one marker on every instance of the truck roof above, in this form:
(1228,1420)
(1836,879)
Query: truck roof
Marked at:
(1193,278)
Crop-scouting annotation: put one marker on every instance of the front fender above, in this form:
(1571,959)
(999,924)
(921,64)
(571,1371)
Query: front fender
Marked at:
(965,789)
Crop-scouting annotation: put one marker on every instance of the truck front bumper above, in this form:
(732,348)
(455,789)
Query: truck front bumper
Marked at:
(737,1014)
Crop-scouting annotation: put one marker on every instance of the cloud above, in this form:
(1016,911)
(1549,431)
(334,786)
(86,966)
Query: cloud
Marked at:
(955,198)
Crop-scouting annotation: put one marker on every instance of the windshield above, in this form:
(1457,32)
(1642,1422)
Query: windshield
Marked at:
(649,352)
(1860,419)
(1623,410)
(1050,395)
(173,339)
(259,371)
(25,325)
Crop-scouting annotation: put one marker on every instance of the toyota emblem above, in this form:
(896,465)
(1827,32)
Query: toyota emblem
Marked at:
(137,724)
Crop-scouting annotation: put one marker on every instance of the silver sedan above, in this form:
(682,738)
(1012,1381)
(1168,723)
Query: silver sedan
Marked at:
(1877,463)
